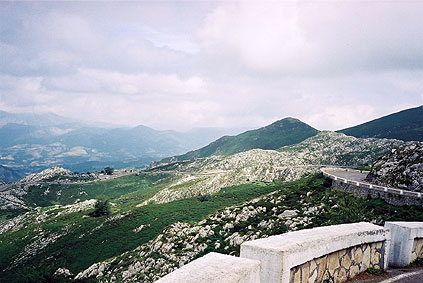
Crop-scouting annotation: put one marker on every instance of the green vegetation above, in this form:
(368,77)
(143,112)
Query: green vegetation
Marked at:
(94,239)
(81,241)
(406,125)
(365,167)
(417,263)
(108,170)
(284,132)
(374,271)
(205,197)
(132,188)
(101,208)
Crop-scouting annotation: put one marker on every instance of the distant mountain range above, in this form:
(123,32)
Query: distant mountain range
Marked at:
(284,132)
(406,125)
(31,142)
(48,119)
(9,175)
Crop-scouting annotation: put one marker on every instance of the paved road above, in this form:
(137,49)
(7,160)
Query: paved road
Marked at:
(355,176)
(407,277)
(394,275)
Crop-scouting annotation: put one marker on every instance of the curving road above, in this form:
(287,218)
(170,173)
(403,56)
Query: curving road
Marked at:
(356,178)
(351,175)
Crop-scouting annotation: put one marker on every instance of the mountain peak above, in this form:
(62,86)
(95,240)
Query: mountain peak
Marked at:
(280,133)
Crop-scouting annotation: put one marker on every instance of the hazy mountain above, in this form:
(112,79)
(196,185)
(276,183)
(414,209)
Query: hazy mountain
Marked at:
(406,125)
(284,132)
(48,119)
(38,144)
(9,175)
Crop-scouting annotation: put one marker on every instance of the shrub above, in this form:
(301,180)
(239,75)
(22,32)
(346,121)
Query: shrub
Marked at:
(101,208)
(205,197)
(109,170)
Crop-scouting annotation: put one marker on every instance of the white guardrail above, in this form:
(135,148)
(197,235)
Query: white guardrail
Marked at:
(368,185)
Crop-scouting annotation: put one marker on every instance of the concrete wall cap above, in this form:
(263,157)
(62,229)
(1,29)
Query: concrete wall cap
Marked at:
(412,225)
(278,254)
(216,268)
(303,239)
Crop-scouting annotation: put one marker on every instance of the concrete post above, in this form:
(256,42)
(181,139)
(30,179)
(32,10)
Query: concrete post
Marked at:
(403,235)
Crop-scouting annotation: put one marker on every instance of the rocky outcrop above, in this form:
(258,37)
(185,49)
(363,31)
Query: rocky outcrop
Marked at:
(401,168)
(223,232)
(46,175)
(40,215)
(14,196)
(209,175)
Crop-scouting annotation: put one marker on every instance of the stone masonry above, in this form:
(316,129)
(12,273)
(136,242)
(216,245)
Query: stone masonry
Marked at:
(417,251)
(341,265)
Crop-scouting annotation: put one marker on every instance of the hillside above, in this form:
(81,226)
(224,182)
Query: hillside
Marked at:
(145,243)
(9,175)
(59,186)
(401,168)
(288,207)
(209,175)
(406,125)
(281,133)
(197,177)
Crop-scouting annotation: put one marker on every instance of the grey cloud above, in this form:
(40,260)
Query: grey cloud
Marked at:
(225,64)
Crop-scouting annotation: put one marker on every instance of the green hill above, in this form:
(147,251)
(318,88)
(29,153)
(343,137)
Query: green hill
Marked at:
(406,125)
(284,132)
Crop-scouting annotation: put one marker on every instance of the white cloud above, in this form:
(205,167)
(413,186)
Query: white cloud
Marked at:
(94,80)
(320,37)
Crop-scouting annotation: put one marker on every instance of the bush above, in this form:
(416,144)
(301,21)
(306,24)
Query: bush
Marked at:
(109,170)
(101,208)
(205,197)
(374,271)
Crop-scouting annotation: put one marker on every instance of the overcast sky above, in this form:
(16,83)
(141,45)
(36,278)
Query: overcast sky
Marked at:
(177,65)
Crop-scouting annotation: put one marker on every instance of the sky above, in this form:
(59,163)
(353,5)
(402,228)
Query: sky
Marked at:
(184,64)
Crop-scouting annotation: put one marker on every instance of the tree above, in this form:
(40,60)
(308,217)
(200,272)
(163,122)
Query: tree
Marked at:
(101,208)
(109,170)
(205,197)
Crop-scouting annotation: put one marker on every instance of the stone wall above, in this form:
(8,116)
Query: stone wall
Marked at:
(417,251)
(341,265)
(390,195)
(332,252)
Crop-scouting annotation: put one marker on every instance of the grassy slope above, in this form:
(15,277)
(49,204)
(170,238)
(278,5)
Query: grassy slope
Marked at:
(336,208)
(104,239)
(405,125)
(141,186)
(281,133)
(107,237)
